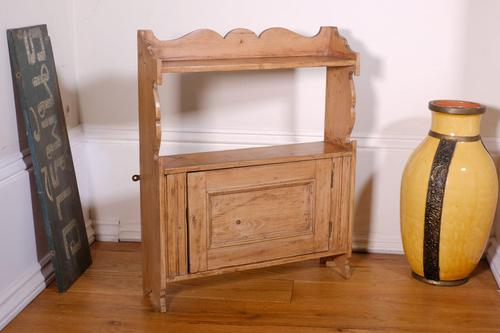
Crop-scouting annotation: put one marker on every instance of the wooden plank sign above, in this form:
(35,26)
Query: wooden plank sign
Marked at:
(38,99)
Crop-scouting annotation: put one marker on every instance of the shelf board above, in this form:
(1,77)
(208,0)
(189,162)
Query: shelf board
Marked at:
(253,156)
(221,65)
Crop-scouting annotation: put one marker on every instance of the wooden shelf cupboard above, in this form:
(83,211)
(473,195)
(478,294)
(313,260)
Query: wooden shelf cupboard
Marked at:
(210,213)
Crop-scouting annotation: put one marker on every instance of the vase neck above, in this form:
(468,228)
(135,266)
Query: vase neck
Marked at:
(456,125)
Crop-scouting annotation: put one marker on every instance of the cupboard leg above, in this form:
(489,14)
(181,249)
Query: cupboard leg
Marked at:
(159,300)
(340,263)
(163,302)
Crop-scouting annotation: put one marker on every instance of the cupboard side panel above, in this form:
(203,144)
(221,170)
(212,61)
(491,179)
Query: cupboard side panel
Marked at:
(339,104)
(151,181)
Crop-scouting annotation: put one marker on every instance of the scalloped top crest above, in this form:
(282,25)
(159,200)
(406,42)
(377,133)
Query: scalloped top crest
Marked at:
(244,43)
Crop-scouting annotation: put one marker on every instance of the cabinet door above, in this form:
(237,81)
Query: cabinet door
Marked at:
(251,214)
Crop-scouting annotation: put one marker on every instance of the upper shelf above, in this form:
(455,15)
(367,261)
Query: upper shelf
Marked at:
(241,49)
(241,64)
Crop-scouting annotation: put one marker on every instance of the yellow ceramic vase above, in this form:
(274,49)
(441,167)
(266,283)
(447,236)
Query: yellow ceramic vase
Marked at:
(448,196)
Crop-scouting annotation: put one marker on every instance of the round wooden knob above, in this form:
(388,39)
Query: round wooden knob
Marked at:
(238,221)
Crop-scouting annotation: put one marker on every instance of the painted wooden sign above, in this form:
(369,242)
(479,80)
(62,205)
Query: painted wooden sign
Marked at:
(38,99)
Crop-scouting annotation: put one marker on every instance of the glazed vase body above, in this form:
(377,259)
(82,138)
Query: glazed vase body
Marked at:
(449,194)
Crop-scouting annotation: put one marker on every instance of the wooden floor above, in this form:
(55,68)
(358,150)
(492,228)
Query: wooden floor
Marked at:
(303,297)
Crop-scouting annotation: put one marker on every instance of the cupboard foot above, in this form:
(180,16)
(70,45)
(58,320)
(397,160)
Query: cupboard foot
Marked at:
(159,300)
(340,263)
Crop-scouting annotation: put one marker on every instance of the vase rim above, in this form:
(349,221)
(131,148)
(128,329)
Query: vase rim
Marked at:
(456,107)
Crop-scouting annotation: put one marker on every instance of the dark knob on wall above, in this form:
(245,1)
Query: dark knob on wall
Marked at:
(136,178)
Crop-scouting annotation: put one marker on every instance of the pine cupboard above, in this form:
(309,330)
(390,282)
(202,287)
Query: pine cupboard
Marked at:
(211,213)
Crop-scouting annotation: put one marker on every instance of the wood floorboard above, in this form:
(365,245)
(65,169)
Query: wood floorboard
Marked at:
(300,297)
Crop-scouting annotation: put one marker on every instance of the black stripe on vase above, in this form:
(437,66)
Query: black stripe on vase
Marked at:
(434,207)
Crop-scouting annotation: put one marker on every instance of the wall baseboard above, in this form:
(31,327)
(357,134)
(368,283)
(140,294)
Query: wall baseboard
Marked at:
(90,231)
(107,230)
(493,256)
(131,232)
(377,244)
(20,293)
(11,165)
(113,230)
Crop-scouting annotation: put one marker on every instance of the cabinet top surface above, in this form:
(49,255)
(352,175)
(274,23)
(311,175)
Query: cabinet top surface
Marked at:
(253,156)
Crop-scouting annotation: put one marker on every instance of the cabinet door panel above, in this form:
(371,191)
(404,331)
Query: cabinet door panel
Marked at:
(260,213)
(252,214)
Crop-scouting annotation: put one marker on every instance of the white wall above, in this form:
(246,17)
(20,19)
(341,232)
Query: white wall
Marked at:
(24,263)
(410,54)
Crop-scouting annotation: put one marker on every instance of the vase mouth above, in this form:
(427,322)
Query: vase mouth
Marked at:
(456,107)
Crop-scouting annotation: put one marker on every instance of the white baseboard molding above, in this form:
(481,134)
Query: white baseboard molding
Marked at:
(90,231)
(27,286)
(11,165)
(76,136)
(493,256)
(114,231)
(377,244)
(129,231)
(107,230)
